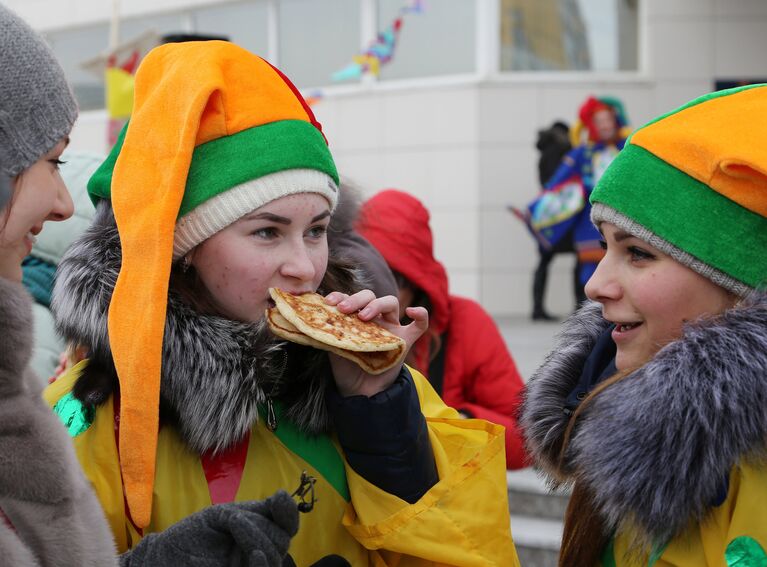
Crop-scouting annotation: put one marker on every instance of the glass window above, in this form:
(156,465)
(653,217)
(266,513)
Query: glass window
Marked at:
(131,28)
(569,35)
(317,38)
(74,46)
(438,41)
(243,23)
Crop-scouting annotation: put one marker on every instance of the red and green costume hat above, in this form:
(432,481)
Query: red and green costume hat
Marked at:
(693,183)
(586,118)
(215,133)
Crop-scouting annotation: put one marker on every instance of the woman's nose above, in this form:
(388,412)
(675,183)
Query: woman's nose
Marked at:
(603,284)
(298,263)
(63,207)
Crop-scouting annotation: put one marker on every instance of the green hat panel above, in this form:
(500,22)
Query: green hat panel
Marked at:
(225,162)
(684,213)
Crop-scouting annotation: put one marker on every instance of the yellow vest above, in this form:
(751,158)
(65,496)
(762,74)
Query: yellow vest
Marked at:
(463,520)
(733,534)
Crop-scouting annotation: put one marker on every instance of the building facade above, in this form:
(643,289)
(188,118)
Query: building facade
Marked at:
(453,117)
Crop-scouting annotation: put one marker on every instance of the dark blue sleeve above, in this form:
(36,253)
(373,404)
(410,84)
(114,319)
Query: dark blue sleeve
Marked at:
(385,438)
(570,165)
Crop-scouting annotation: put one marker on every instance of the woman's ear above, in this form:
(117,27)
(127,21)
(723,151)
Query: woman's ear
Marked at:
(187,261)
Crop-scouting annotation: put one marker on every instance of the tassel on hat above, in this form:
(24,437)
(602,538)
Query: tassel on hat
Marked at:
(215,133)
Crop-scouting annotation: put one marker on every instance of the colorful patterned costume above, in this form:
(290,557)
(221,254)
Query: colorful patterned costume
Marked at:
(554,217)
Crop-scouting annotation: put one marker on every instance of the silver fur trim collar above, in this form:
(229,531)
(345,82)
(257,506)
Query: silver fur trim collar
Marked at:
(215,372)
(697,406)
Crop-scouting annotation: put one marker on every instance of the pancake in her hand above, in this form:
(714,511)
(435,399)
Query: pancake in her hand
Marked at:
(306,319)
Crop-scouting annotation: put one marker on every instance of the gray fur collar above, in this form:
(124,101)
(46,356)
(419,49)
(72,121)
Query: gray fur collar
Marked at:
(215,371)
(632,446)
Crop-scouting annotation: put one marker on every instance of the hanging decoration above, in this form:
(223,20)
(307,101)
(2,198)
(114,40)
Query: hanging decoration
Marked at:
(381,50)
(117,65)
(119,81)
(313,97)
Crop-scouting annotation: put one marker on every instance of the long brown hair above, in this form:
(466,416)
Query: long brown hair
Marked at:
(585,533)
(187,284)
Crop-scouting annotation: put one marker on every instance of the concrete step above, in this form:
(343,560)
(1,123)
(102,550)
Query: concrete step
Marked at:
(536,518)
(537,540)
(530,496)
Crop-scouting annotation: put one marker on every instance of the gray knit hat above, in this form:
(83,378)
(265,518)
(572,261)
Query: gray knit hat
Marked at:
(37,107)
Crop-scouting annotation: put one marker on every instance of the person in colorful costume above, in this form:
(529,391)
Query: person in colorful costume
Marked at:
(652,402)
(463,354)
(606,125)
(221,186)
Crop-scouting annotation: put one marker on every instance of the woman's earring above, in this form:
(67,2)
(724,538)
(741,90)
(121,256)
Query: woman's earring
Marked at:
(185,264)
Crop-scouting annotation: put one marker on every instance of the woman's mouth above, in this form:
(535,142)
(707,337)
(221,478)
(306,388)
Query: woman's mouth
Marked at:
(624,331)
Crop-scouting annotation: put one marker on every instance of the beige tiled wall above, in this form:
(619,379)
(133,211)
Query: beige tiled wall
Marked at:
(468,149)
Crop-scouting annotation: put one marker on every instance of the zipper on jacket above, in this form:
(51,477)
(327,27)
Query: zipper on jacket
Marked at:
(271,418)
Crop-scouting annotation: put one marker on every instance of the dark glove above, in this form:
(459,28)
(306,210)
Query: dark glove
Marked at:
(241,534)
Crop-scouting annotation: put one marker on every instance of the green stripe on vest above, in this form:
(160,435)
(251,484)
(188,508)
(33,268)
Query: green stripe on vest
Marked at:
(320,452)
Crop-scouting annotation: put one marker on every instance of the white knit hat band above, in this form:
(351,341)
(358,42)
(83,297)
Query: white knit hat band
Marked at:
(225,208)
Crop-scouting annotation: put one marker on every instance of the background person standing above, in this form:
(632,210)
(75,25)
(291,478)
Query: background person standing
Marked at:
(462,354)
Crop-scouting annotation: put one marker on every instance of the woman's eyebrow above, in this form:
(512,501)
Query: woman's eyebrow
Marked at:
(321,216)
(268,216)
(620,235)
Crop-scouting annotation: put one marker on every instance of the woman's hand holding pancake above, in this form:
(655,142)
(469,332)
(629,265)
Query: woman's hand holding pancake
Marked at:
(351,380)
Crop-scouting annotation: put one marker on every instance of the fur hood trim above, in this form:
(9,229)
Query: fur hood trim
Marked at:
(543,418)
(215,372)
(698,405)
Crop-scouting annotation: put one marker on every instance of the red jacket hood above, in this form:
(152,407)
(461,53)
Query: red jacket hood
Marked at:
(397,224)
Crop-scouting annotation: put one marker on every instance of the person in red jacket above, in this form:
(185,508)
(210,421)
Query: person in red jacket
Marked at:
(463,354)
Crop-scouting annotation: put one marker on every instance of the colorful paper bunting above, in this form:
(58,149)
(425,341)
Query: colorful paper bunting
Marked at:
(313,97)
(381,50)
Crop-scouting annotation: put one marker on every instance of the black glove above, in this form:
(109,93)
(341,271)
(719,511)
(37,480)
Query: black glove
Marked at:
(240,534)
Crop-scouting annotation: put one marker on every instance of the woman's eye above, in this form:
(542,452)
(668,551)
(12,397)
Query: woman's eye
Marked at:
(57,162)
(265,233)
(317,231)
(603,244)
(638,254)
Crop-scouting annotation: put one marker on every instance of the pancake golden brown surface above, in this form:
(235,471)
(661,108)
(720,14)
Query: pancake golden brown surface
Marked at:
(327,328)
(313,317)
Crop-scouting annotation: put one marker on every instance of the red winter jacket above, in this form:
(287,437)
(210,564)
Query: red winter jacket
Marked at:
(480,377)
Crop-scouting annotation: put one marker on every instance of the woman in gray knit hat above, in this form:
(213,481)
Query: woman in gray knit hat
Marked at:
(48,512)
